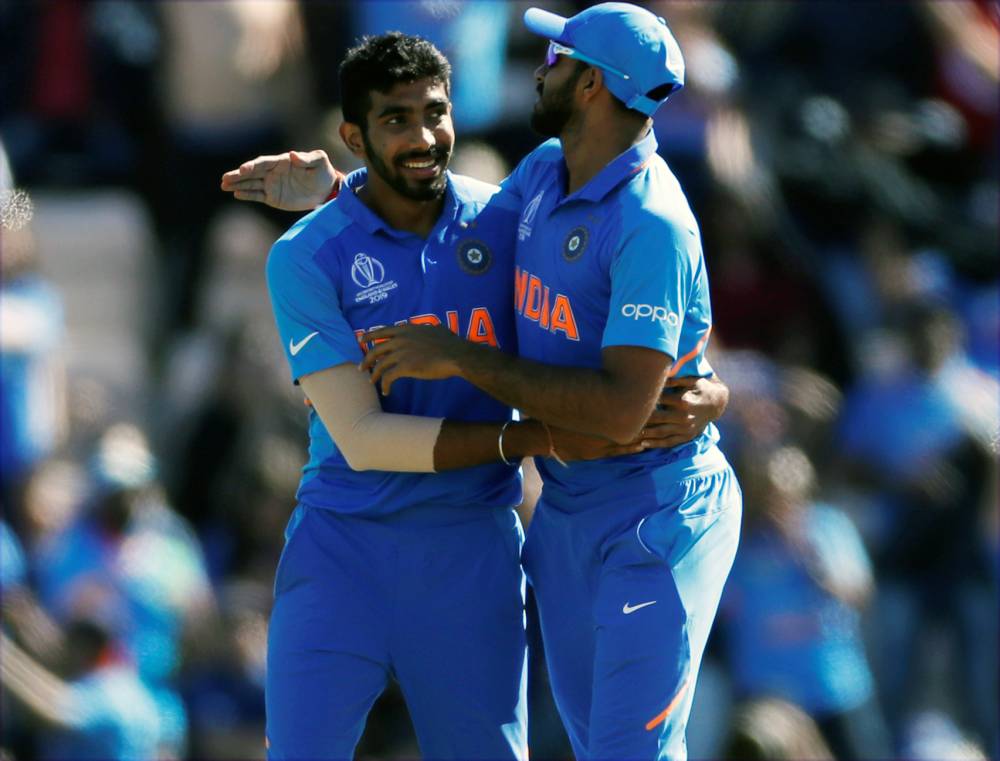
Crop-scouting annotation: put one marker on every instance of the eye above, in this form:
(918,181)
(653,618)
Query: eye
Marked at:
(394,120)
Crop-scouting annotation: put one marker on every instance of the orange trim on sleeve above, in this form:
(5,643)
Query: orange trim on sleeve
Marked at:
(690,355)
(662,717)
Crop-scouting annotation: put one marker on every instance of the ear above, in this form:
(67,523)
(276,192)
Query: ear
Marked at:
(350,133)
(591,83)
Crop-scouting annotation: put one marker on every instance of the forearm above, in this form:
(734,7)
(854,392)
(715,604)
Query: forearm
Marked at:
(371,439)
(462,445)
(589,401)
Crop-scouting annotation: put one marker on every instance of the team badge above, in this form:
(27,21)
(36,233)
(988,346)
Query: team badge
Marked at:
(368,273)
(575,244)
(474,256)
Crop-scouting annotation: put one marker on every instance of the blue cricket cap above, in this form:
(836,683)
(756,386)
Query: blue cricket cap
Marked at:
(625,37)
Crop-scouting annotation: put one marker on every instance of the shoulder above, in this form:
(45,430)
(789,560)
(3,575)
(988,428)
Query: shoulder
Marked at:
(317,227)
(655,196)
(545,156)
(469,190)
(298,249)
(542,159)
(652,206)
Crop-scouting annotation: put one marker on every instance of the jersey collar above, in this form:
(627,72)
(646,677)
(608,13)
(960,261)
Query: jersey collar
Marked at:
(372,222)
(619,169)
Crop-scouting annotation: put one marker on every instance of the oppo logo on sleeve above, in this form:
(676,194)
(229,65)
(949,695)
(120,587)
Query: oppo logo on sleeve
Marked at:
(651,313)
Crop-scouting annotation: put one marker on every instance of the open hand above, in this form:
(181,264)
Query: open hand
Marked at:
(686,407)
(293,181)
(428,352)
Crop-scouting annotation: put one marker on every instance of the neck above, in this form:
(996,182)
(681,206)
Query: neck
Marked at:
(398,211)
(590,145)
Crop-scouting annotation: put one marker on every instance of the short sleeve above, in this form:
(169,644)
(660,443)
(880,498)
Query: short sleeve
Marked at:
(650,284)
(313,331)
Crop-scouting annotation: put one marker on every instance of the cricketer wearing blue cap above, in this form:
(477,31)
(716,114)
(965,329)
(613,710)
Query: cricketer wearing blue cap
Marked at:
(402,557)
(628,557)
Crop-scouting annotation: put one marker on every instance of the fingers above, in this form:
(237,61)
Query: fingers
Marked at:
(250,195)
(261,165)
(667,429)
(627,449)
(307,159)
(254,169)
(385,373)
(688,381)
(378,334)
(666,442)
(669,415)
(245,186)
(390,376)
(376,354)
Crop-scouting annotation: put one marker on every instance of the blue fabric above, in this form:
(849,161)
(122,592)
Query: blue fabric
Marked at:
(625,611)
(432,597)
(114,716)
(617,263)
(786,634)
(340,271)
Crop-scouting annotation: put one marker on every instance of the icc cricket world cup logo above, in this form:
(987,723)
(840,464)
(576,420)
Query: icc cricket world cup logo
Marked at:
(366,272)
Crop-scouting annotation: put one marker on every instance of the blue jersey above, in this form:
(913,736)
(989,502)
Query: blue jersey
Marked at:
(617,263)
(341,271)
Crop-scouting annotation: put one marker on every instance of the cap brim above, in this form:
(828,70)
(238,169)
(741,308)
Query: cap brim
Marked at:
(545,24)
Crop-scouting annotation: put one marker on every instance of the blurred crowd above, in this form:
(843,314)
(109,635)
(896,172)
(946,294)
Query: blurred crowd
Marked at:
(842,161)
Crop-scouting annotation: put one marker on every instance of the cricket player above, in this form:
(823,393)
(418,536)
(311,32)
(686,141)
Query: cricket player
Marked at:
(402,557)
(628,556)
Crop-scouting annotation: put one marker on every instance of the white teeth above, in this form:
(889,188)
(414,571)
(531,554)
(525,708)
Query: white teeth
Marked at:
(419,164)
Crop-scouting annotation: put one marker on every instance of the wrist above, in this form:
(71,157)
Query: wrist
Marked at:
(465,358)
(525,438)
(338,183)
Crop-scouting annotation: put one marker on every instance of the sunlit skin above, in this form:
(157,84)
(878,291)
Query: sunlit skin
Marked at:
(554,106)
(406,144)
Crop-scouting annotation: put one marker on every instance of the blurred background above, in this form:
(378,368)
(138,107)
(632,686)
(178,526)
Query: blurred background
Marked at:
(841,158)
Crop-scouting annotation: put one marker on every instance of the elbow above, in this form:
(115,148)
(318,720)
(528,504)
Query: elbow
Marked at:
(623,428)
(355,460)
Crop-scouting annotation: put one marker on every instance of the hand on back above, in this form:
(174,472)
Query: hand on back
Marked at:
(292,181)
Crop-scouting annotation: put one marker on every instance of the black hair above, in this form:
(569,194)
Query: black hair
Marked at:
(380,62)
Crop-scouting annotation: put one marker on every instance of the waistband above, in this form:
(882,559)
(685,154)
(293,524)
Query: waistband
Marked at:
(428,515)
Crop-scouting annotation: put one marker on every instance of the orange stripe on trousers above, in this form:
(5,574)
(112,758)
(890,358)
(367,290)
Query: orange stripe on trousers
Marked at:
(660,718)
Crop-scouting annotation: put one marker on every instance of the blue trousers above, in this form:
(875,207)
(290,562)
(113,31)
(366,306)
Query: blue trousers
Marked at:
(432,597)
(626,594)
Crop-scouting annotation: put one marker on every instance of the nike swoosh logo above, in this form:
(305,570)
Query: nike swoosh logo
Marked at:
(626,608)
(295,348)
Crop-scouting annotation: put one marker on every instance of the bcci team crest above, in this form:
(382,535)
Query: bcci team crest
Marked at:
(575,244)
(368,274)
(474,256)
